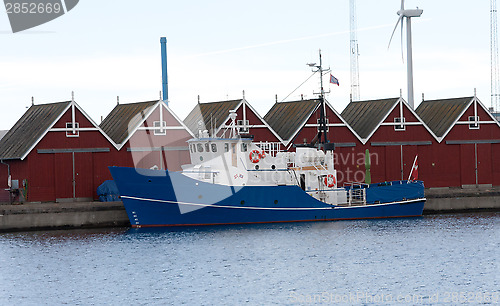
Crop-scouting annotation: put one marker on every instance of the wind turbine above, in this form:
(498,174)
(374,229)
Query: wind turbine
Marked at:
(408,14)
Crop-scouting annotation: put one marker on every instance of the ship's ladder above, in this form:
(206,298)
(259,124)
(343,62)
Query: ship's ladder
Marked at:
(357,196)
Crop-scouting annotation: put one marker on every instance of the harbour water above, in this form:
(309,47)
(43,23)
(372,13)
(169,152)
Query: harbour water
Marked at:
(439,259)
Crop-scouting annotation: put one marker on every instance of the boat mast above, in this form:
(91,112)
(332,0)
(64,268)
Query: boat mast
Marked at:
(321,137)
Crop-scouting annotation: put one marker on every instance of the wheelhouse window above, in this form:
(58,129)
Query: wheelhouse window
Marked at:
(226,147)
(160,128)
(214,147)
(244,147)
(207,147)
(401,126)
(199,147)
(69,133)
(475,122)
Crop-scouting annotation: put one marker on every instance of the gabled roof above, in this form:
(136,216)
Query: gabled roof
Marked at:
(30,128)
(365,116)
(286,118)
(211,114)
(440,115)
(125,118)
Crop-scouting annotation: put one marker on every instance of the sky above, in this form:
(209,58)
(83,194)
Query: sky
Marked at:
(220,50)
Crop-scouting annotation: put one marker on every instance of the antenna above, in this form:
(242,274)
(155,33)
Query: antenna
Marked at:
(408,14)
(354,53)
(495,98)
(322,119)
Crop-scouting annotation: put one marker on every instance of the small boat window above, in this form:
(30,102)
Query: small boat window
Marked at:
(191,148)
(207,147)
(214,147)
(200,147)
(226,147)
(244,147)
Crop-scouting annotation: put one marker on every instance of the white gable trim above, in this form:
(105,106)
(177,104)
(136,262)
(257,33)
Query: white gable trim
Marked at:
(401,102)
(158,104)
(262,120)
(130,134)
(51,128)
(457,119)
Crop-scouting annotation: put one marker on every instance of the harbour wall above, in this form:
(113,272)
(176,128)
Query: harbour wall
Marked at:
(466,199)
(65,215)
(41,216)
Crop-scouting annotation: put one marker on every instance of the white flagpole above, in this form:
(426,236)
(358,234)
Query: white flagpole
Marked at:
(413,167)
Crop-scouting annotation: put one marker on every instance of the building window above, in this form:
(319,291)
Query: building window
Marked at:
(326,123)
(475,122)
(401,126)
(69,133)
(160,128)
(242,128)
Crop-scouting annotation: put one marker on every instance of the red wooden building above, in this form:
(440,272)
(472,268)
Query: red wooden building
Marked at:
(394,135)
(468,145)
(148,135)
(53,153)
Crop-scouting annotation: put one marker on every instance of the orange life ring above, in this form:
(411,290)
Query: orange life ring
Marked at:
(254,156)
(330,180)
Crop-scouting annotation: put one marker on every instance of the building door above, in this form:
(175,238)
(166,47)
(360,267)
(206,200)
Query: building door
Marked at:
(63,175)
(468,164)
(484,163)
(83,174)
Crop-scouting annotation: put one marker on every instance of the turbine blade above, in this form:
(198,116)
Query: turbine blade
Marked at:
(399,19)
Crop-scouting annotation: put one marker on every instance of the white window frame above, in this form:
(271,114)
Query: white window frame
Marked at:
(69,133)
(399,125)
(157,128)
(326,123)
(241,129)
(474,125)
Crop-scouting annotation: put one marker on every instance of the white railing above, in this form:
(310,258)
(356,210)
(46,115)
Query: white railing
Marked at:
(271,148)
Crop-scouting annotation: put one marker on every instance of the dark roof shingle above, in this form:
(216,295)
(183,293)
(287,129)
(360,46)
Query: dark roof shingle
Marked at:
(439,115)
(364,116)
(29,129)
(125,118)
(287,117)
(211,114)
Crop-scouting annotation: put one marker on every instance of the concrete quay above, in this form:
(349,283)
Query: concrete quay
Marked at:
(466,199)
(42,216)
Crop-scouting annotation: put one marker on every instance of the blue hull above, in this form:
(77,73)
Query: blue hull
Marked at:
(164,198)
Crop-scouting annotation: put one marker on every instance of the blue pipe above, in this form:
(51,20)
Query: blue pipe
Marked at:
(163,42)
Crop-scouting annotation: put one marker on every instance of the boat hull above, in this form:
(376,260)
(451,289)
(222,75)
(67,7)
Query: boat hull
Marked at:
(163,198)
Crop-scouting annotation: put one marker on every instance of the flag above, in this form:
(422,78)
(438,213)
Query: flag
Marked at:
(414,171)
(334,80)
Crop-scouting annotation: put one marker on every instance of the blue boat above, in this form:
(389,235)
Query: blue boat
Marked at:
(165,198)
(233,180)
